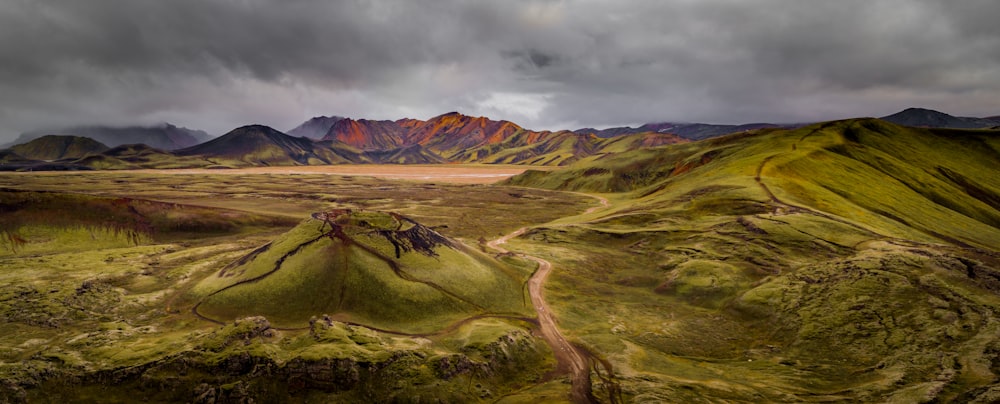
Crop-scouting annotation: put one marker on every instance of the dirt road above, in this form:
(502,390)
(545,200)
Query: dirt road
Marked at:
(568,358)
(604,202)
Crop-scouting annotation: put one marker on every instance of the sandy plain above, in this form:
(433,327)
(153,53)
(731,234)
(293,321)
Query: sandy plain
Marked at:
(448,173)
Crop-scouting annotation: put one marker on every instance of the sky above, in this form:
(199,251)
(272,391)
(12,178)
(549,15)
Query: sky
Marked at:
(545,64)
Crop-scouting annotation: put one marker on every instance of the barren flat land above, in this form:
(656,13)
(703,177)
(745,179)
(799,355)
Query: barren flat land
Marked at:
(450,173)
(447,173)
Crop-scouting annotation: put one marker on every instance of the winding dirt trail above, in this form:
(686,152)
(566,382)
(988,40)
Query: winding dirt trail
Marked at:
(604,202)
(569,359)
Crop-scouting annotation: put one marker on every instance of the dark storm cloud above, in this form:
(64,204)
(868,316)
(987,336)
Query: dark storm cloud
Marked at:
(217,64)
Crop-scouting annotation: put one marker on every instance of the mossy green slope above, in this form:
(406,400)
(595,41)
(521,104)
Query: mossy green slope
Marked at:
(376,269)
(46,222)
(853,260)
(557,148)
(923,184)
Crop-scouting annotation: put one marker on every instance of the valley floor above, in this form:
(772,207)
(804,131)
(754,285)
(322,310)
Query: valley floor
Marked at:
(445,173)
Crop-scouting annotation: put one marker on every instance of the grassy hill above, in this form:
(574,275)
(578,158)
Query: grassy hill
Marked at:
(378,269)
(852,260)
(54,147)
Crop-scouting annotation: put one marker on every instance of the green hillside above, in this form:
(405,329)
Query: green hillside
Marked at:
(924,184)
(847,261)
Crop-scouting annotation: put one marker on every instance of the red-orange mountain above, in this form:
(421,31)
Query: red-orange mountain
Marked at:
(367,134)
(458,137)
(443,132)
(454,130)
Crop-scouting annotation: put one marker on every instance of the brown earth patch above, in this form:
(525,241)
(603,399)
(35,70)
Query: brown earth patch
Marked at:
(446,173)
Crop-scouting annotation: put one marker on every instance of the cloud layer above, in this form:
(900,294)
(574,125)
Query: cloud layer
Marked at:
(218,64)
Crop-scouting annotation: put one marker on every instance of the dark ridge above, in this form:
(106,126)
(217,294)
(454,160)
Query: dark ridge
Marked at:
(164,136)
(929,118)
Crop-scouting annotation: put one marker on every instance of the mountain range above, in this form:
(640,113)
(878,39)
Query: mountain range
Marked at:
(917,117)
(165,136)
(691,131)
(451,137)
(448,138)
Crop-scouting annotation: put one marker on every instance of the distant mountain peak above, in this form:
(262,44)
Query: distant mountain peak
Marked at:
(929,118)
(316,127)
(919,112)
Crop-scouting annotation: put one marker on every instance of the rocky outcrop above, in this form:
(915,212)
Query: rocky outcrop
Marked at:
(242,363)
(327,374)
